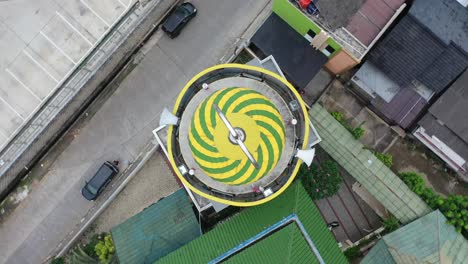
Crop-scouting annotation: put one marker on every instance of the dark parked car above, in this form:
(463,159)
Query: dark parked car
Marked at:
(177,20)
(96,185)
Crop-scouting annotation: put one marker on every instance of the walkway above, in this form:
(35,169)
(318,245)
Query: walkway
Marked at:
(379,180)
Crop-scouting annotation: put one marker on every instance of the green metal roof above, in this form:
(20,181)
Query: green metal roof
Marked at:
(156,231)
(378,179)
(426,240)
(285,246)
(252,221)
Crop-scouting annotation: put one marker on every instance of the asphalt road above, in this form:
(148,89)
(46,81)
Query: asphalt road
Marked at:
(121,127)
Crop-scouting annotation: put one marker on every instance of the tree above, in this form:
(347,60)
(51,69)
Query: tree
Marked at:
(454,207)
(105,249)
(321,181)
(391,224)
(57,261)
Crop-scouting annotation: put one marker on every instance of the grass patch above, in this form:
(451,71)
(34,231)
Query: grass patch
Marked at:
(357,132)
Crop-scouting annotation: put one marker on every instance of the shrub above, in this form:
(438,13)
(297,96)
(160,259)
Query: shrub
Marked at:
(358,132)
(105,249)
(352,253)
(321,181)
(391,224)
(338,116)
(57,261)
(386,159)
(89,248)
(454,207)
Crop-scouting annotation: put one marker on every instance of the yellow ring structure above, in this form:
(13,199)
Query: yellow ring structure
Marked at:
(304,144)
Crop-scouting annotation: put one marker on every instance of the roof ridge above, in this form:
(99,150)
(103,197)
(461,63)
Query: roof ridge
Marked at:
(439,250)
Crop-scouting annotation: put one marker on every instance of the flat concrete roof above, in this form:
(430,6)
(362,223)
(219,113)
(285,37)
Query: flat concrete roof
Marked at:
(41,42)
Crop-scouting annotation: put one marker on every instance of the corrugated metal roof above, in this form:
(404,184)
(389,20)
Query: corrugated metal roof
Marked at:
(445,18)
(378,179)
(452,106)
(379,254)
(158,230)
(426,240)
(252,221)
(411,52)
(285,246)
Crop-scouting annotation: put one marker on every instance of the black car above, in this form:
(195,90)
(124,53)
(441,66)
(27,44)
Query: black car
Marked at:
(177,20)
(96,185)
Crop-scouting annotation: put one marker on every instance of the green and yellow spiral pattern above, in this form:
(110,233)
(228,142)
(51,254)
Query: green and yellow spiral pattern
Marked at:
(252,112)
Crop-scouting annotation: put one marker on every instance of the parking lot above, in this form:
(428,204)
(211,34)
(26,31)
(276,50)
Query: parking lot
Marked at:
(41,42)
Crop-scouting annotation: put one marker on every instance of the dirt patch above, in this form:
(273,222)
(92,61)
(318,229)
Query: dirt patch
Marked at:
(411,156)
(378,135)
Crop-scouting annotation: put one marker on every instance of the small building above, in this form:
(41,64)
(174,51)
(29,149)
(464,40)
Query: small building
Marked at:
(305,36)
(428,239)
(415,62)
(288,229)
(444,128)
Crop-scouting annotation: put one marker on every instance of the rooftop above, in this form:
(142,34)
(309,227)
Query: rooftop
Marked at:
(426,240)
(377,178)
(235,140)
(447,119)
(297,60)
(452,107)
(426,46)
(337,13)
(156,231)
(286,244)
(447,19)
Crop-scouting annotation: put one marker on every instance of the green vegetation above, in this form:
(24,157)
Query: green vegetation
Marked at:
(57,261)
(357,132)
(353,253)
(89,248)
(321,181)
(79,256)
(243,57)
(105,249)
(454,207)
(391,224)
(386,159)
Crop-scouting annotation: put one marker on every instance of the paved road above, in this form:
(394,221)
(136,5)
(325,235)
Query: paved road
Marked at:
(41,42)
(122,127)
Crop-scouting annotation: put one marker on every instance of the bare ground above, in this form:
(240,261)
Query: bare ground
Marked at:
(411,156)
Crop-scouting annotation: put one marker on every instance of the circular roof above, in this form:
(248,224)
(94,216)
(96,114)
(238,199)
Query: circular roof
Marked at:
(258,124)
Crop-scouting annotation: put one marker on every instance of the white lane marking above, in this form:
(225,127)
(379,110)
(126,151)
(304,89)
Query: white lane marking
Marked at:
(57,47)
(40,66)
(95,13)
(22,84)
(12,109)
(120,1)
(74,28)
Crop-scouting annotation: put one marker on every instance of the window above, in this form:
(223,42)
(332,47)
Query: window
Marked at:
(328,50)
(310,35)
